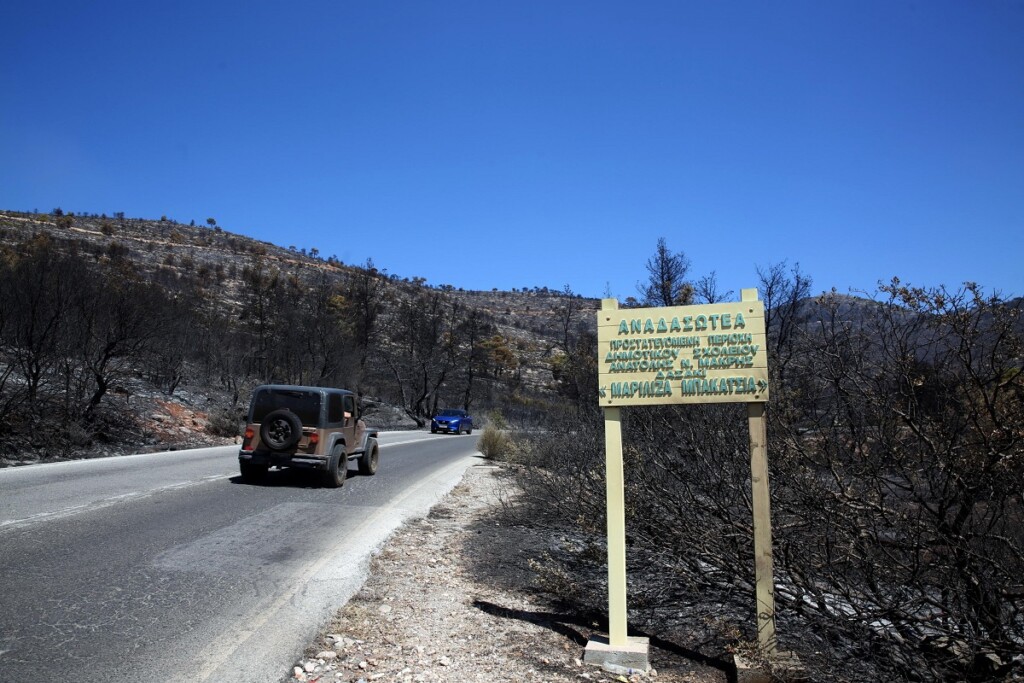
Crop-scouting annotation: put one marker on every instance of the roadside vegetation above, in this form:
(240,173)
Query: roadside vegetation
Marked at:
(495,442)
(897,470)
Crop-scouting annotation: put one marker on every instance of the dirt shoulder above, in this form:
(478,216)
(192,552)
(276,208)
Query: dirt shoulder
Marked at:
(449,598)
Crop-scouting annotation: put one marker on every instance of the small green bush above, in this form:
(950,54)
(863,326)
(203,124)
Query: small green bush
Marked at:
(494,443)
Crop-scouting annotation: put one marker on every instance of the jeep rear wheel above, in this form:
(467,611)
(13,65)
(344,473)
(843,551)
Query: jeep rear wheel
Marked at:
(281,430)
(370,458)
(337,469)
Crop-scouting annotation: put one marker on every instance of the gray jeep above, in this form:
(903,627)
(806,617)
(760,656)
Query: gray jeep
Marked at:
(314,428)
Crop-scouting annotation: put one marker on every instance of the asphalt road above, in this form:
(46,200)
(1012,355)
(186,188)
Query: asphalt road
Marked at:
(166,567)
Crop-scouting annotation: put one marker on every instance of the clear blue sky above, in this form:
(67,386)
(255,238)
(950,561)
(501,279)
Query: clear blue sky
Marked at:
(511,144)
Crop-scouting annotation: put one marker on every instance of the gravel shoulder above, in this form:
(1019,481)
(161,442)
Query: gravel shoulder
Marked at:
(450,598)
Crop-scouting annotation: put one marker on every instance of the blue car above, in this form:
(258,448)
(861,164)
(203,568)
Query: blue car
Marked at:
(452,421)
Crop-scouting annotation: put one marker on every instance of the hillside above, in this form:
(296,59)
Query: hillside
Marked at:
(118,333)
(239,311)
(165,249)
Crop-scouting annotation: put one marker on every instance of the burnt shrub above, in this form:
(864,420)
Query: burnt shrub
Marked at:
(225,423)
(896,458)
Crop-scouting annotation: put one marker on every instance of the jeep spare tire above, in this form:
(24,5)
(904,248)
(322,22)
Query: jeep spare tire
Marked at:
(281,430)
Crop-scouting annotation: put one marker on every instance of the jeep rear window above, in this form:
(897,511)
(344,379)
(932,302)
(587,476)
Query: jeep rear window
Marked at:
(335,415)
(305,404)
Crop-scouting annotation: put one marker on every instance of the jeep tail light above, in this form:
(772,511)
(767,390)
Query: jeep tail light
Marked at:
(314,439)
(248,437)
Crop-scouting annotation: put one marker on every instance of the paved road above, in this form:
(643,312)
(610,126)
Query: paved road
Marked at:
(166,567)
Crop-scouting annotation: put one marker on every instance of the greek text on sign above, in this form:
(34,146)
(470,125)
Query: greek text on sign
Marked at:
(682,354)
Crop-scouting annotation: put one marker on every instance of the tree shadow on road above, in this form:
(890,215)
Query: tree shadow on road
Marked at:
(289,478)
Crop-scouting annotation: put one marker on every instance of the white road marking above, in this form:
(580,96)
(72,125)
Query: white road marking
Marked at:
(104,503)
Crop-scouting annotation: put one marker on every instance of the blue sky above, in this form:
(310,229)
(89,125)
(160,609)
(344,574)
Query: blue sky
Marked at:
(519,144)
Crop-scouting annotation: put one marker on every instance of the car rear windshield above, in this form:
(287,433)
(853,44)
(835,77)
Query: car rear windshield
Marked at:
(305,404)
(452,412)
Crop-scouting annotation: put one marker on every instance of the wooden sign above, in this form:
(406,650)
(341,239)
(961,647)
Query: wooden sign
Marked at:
(682,354)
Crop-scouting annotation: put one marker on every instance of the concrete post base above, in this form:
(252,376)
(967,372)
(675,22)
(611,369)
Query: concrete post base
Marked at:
(620,658)
(784,662)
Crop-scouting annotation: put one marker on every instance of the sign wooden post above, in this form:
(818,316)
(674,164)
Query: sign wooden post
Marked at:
(615,487)
(683,354)
(618,649)
(763,568)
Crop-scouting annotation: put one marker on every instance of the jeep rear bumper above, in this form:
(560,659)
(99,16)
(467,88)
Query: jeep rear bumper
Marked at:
(270,458)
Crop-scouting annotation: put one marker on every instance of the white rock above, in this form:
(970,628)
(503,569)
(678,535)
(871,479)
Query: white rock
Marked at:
(310,667)
(342,643)
(298,674)
(327,654)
